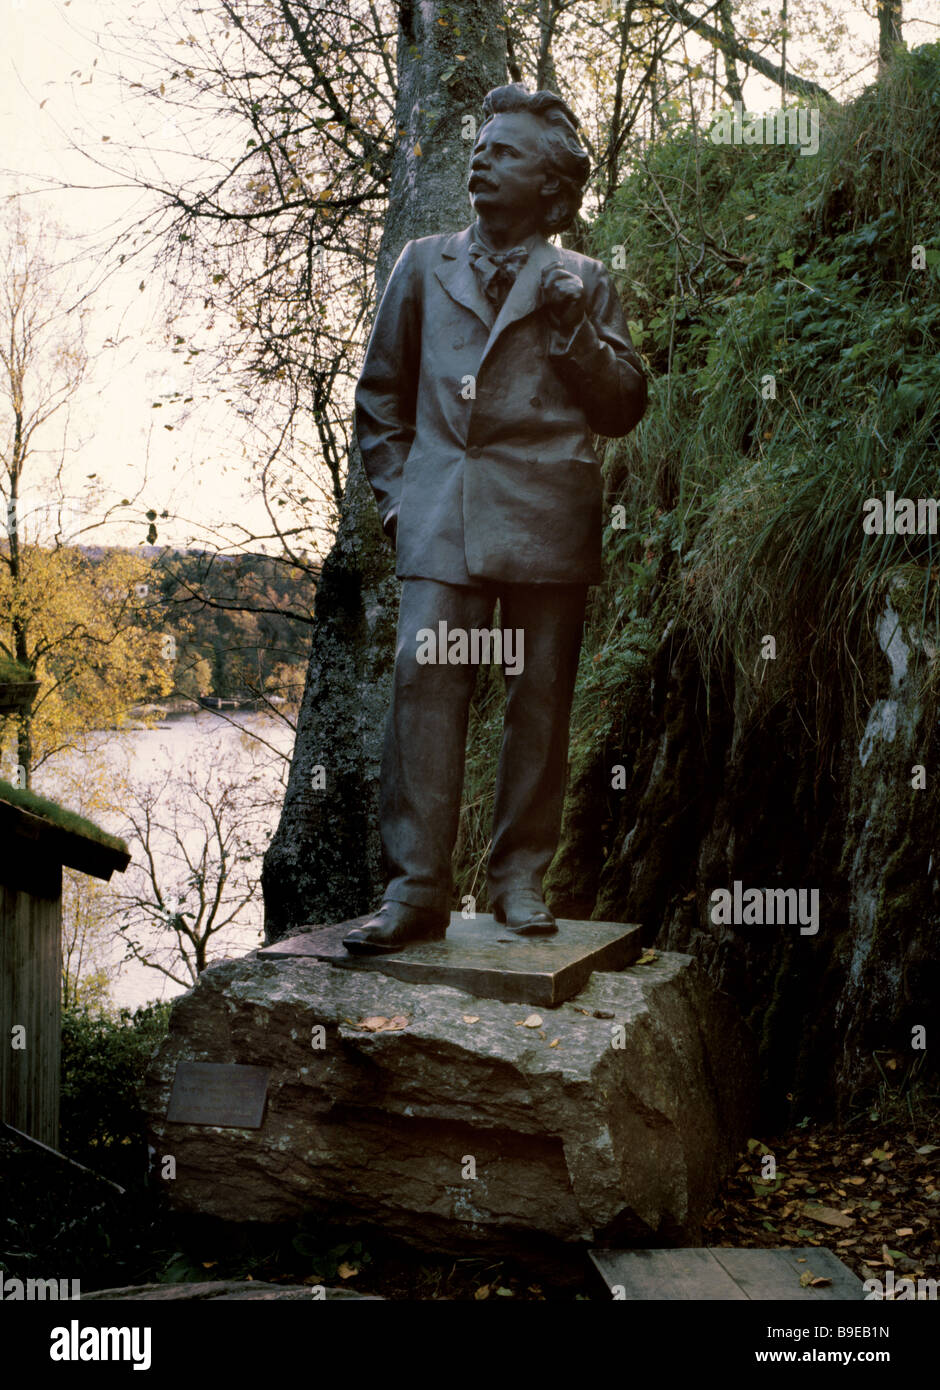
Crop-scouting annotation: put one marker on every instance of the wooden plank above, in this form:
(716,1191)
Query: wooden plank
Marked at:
(776,1273)
(45,1154)
(30,968)
(674,1275)
(720,1272)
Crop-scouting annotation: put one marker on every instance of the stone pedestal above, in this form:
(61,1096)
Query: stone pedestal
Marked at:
(453,1121)
(484,959)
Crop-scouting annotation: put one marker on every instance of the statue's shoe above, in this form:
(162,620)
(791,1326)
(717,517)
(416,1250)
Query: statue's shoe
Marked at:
(396,925)
(523,912)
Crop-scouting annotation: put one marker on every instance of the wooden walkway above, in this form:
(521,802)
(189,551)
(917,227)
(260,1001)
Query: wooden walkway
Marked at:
(724,1273)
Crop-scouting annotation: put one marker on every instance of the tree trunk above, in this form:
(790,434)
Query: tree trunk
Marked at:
(732,79)
(545,78)
(324,861)
(889,31)
(24,749)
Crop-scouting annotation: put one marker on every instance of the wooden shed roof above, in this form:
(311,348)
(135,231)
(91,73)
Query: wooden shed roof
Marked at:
(72,844)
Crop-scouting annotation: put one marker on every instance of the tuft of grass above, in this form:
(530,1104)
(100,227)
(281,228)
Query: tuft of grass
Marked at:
(58,815)
(13,672)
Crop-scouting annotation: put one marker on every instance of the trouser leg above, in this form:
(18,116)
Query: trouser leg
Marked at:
(425,743)
(533,761)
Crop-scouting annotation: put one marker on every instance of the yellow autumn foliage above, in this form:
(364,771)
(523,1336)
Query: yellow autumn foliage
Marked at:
(94,639)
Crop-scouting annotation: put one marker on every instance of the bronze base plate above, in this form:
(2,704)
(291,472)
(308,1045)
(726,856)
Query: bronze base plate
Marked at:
(481,957)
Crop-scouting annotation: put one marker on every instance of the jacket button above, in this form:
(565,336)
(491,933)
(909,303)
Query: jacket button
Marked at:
(459,343)
(474,452)
(536,400)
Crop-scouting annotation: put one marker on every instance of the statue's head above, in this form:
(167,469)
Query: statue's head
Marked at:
(528,150)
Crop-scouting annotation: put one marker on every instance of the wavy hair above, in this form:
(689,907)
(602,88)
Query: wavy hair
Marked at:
(565,157)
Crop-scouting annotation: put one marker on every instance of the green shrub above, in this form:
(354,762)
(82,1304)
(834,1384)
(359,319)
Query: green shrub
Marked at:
(104,1061)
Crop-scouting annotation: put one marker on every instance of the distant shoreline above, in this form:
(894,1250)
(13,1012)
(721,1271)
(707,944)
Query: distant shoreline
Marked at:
(172,710)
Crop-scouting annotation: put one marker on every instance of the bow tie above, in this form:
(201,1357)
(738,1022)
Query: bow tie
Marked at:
(496,270)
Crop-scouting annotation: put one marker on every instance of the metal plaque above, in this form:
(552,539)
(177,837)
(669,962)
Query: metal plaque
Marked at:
(218,1093)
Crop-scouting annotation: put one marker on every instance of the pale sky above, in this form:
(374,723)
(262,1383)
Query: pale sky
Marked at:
(196,468)
(47,100)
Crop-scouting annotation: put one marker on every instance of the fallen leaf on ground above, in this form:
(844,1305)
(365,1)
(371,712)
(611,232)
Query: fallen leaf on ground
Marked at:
(648,957)
(827,1215)
(554,1043)
(471,1018)
(533,1021)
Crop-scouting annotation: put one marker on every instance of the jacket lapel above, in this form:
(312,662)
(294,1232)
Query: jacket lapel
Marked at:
(456,275)
(523,298)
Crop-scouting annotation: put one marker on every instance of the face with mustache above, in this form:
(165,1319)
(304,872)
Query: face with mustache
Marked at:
(507,181)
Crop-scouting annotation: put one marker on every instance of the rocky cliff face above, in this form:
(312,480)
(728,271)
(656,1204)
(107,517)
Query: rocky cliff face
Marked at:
(713,798)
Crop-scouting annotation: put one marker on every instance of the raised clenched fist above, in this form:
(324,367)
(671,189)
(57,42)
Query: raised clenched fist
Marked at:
(564,296)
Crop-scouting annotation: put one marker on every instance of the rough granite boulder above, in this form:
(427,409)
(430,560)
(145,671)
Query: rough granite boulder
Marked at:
(450,1121)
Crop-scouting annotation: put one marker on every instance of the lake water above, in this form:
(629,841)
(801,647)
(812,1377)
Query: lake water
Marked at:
(178,770)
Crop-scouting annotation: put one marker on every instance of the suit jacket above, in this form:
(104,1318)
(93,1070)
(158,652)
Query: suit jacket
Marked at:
(475,427)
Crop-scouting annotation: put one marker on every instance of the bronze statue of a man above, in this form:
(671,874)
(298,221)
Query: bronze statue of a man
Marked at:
(493,357)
